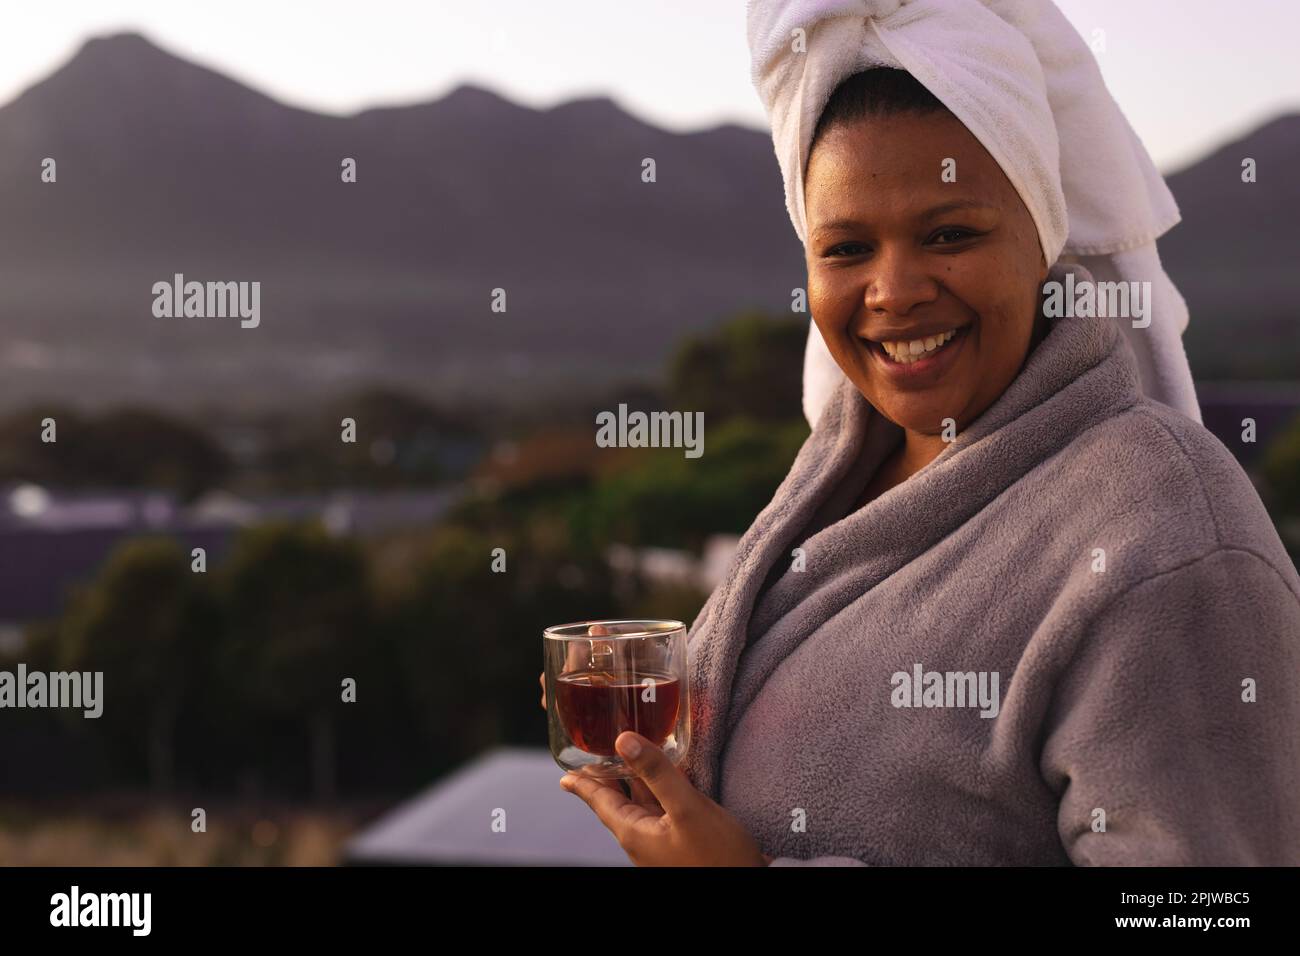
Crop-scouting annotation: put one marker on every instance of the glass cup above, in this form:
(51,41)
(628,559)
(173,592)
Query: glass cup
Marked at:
(605,677)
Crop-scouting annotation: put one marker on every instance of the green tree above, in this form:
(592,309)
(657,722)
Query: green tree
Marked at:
(674,501)
(1281,470)
(752,366)
(145,622)
(467,639)
(127,448)
(299,612)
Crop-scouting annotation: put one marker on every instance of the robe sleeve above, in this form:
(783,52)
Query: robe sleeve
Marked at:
(1179,720)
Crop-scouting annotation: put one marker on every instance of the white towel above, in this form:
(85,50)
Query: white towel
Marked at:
(1023,81)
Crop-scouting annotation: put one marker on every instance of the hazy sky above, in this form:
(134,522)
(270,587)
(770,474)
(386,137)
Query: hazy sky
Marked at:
(1188,75)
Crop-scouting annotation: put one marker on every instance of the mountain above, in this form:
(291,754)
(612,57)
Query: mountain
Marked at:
(166,167)
(1234,256)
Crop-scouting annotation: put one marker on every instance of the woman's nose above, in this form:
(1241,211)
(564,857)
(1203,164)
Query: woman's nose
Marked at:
(897,282)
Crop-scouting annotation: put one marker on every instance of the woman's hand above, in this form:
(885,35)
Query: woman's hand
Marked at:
(667,822)
(578,654)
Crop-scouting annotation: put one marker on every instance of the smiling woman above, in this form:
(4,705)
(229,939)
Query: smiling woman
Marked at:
(923,286)
(1037,614)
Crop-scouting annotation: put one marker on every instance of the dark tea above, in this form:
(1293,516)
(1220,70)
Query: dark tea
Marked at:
(596,707)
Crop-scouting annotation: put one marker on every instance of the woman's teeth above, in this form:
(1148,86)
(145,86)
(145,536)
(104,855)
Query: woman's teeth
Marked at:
(908,352)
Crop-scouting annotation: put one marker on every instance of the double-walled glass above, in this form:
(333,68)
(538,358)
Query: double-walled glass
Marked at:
(605,677)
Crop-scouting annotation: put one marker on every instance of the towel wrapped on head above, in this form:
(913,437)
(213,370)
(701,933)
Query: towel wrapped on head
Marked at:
(1021,79)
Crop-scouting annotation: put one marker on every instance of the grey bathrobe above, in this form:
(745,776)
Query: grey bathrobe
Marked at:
(1103,555)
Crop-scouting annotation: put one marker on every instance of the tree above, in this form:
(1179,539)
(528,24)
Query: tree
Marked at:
(1281,469)
(467,640)
(750,366)
(127,448)
(674,501)
(298,611)
(144,622)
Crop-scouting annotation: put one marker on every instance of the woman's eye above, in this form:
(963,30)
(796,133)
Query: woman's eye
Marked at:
(956,235)
(847,249)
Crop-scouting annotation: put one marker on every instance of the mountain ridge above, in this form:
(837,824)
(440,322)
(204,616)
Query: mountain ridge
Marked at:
(167,166)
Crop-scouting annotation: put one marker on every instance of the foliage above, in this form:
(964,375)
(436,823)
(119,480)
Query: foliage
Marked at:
(231,680)
(1281,469)
(128,448)
(146,624)
(674,501)
(751,366)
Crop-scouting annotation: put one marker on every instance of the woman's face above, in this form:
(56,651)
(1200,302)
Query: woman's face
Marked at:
(898,256)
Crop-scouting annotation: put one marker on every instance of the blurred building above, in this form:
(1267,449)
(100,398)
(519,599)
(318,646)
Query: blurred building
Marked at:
(505,808)
(673,566)
(51,540)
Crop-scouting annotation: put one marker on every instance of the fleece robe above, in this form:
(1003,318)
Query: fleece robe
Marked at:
(1100,556)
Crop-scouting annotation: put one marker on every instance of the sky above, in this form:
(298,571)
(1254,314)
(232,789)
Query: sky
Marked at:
(1188,77)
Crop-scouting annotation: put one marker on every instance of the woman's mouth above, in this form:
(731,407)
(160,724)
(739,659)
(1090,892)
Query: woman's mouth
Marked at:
(919,360)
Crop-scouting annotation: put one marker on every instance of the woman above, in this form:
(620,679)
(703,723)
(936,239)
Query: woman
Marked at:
(1010,606)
